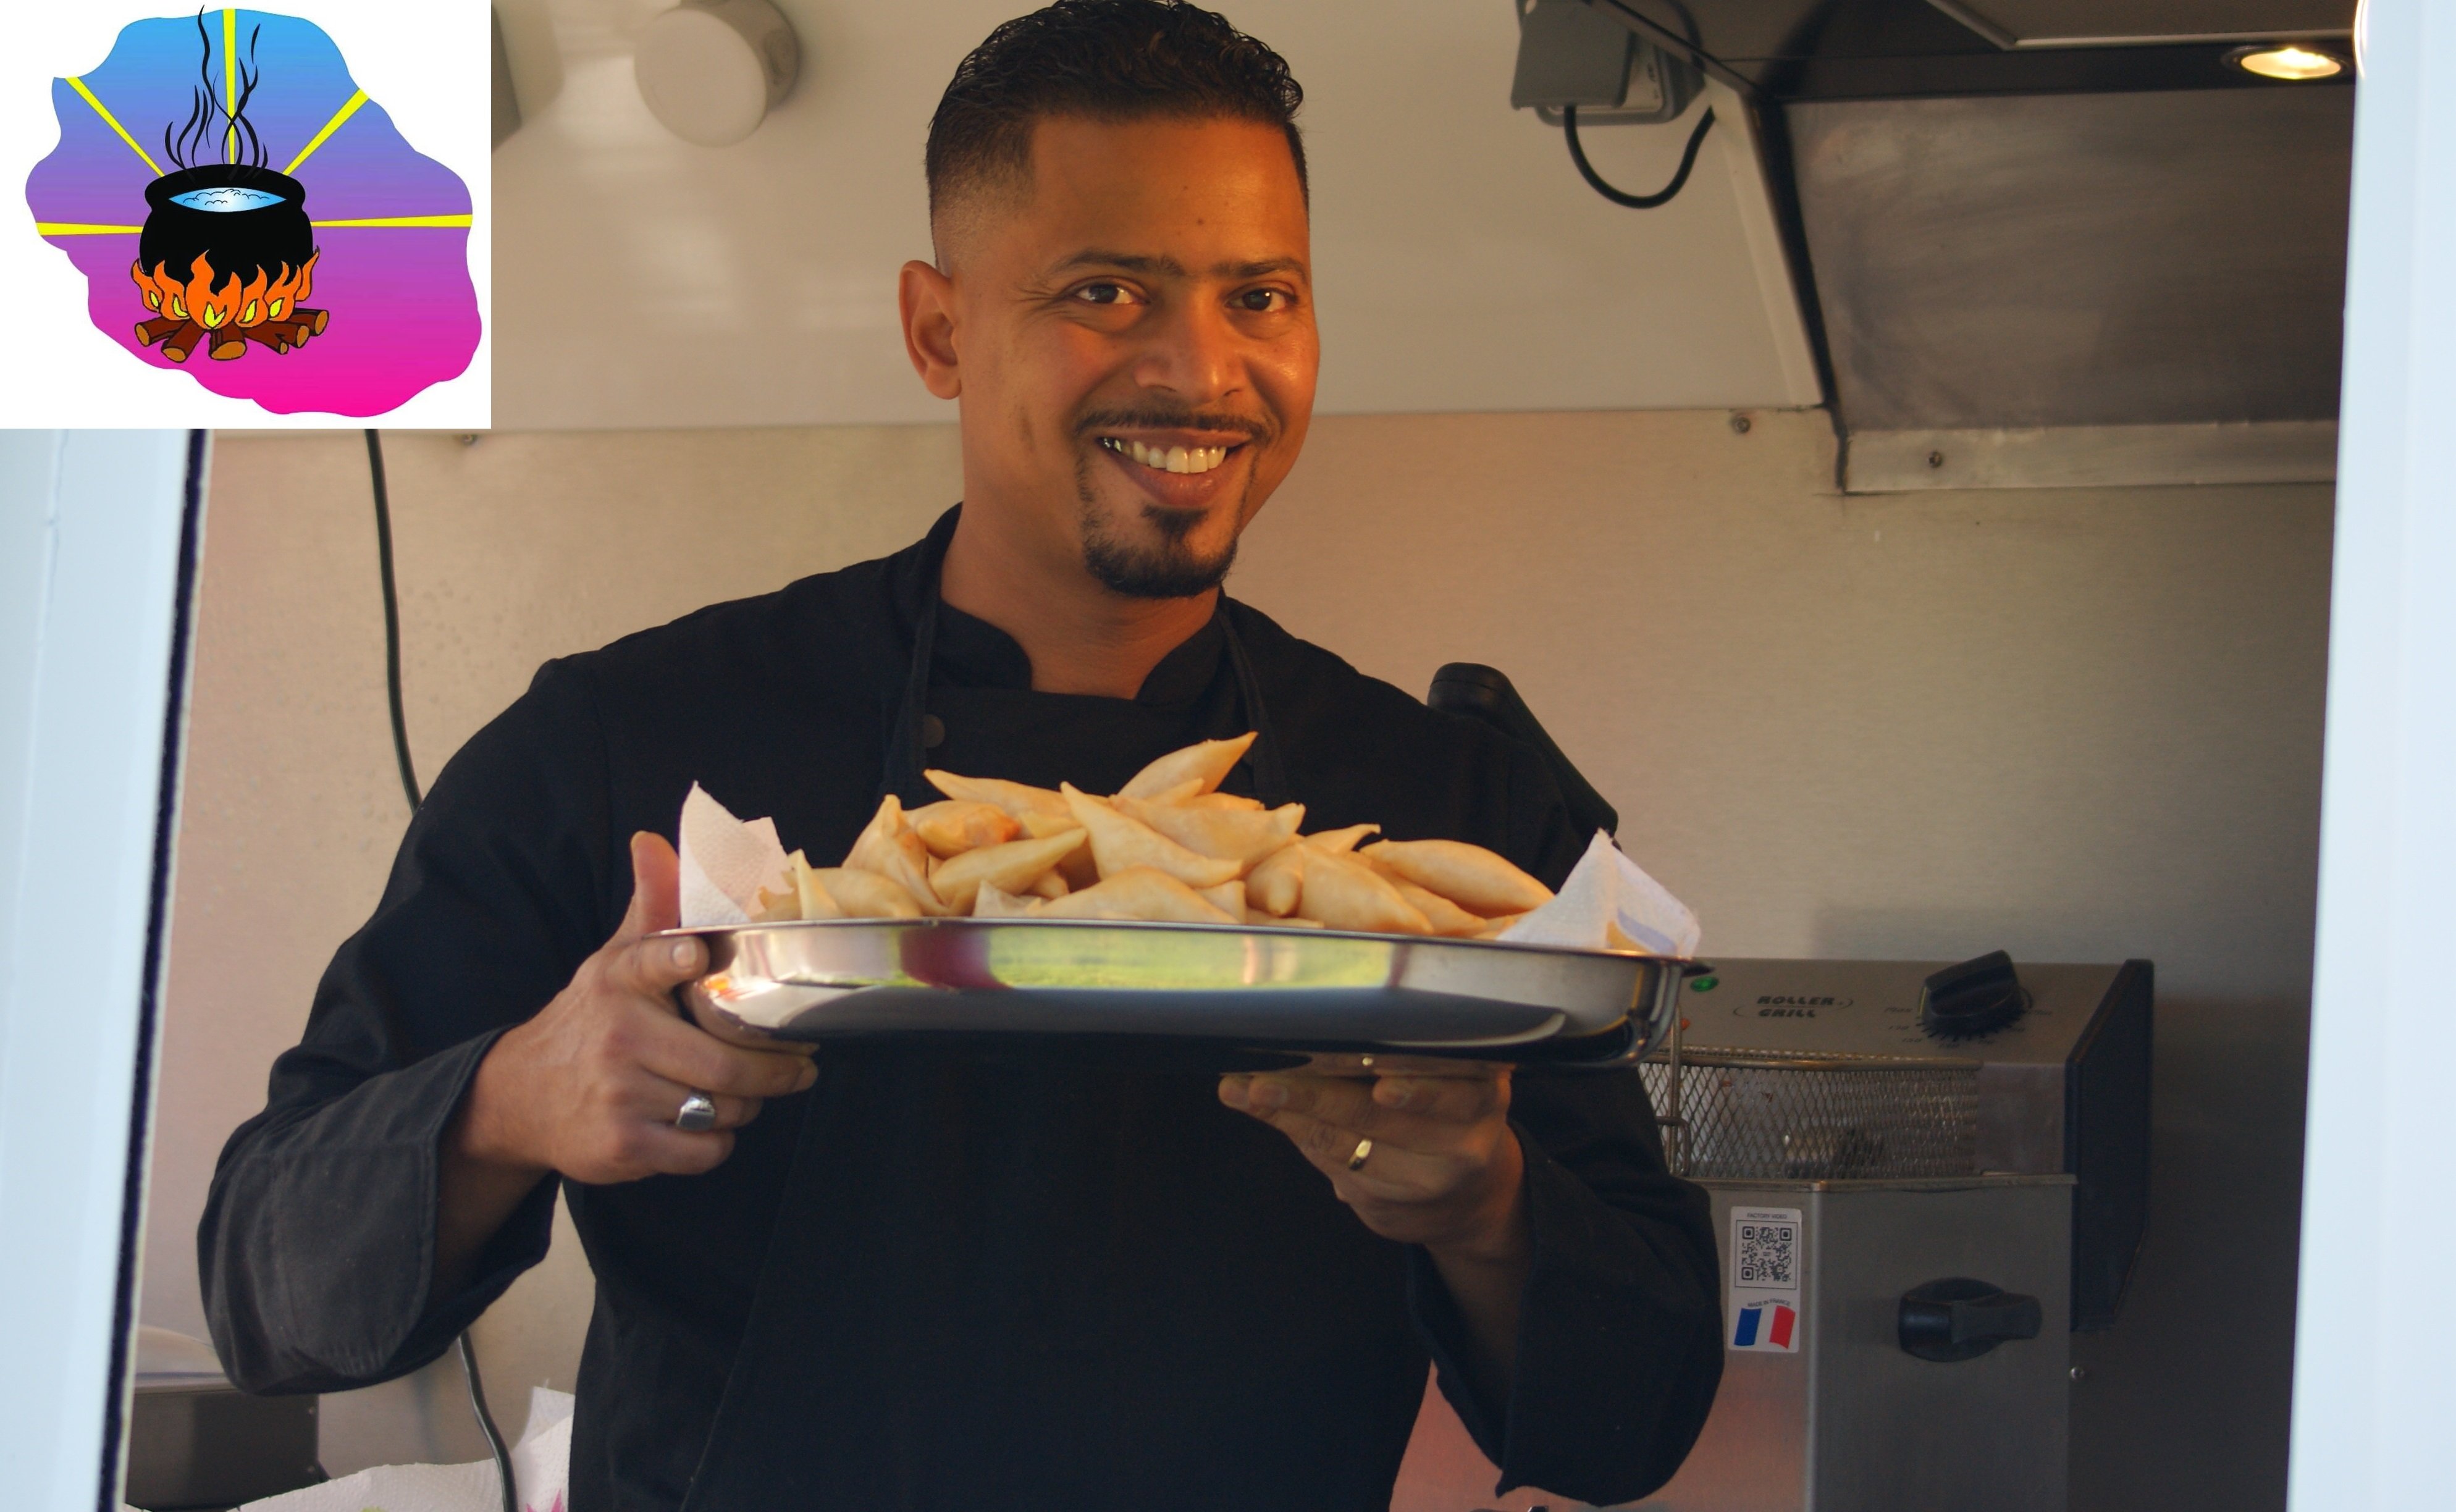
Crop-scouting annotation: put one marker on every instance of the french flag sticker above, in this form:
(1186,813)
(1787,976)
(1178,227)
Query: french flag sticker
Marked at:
(1765,1326)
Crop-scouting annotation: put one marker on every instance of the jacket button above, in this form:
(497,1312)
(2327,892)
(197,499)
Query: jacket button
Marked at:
(933,732)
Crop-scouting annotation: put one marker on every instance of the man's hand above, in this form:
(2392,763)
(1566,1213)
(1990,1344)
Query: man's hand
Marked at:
(1444,1171)
(590,1087)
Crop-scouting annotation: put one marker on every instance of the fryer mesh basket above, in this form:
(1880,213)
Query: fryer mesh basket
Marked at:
(1823,1118)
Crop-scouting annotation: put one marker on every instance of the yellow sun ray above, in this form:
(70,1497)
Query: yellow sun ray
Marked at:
(330,127)
(230,76)
(400,221)
(74,227)
(112,121)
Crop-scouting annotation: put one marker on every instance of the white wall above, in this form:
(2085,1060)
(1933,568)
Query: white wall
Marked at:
(2080,725)
(1461,263)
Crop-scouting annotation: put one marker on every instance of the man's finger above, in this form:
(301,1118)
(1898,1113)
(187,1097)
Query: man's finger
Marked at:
(1347,1106)
(656,1148)
(680,1052)
(653,967)
(1459,1099)
(656,888)
(1362,1105)
(659,1102)
(1389,1170)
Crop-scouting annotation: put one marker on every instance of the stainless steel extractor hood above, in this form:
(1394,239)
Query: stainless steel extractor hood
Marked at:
(2052,242)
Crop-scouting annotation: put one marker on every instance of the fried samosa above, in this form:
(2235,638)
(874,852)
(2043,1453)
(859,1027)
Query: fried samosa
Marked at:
(1341,840)
(888,847)
(1018,799)
(1121,842)
(1138,892)
(1277,883)
(1013,867)
(953,826)
(860,895)
(1345,893)
(1203,764)
(1476,880)
(1242,835)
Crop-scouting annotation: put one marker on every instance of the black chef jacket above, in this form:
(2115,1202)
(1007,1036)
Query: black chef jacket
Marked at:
(1017,1277)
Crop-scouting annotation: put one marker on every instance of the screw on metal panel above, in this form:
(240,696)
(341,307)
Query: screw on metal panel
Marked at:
(1936,459)
(2080,1373)
(1739,425)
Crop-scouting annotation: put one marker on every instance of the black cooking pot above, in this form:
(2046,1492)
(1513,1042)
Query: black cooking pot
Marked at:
(245,220)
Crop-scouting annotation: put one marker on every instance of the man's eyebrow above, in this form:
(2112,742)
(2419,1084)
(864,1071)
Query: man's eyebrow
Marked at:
(1171,268)
(1263,269)
(1126,261)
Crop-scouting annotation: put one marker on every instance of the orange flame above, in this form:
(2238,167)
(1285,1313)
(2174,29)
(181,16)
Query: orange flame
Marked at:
(265,298)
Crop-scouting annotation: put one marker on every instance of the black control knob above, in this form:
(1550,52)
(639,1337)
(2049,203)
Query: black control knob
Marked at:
(1979,996)
(1960,1319)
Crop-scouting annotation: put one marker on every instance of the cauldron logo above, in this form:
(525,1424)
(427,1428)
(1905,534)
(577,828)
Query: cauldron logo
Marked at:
(227,256)
(227,253)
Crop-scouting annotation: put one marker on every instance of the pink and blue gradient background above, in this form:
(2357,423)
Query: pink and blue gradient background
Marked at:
(405,313)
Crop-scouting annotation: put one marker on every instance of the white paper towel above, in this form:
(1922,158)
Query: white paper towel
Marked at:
(725,861)
(1610,903)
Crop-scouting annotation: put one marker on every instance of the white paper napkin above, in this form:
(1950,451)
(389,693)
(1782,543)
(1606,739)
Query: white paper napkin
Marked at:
(1610,903)
(725,861)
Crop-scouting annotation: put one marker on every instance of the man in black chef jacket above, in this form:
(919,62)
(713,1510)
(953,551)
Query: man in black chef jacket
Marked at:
(1016,1276)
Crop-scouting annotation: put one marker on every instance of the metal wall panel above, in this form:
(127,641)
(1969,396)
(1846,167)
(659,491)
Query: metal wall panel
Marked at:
(2062,260)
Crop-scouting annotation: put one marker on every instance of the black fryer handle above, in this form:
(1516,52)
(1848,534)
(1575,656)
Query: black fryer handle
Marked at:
(1482,693)
(1958,1318)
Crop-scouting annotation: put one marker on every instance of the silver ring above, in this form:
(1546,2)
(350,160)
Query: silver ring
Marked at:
(698,1115)
(1363,1152)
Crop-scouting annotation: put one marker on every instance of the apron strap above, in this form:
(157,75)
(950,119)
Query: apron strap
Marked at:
(1270,772)
(900,769)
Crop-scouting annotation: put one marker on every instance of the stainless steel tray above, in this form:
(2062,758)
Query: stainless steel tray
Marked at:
(1258,987)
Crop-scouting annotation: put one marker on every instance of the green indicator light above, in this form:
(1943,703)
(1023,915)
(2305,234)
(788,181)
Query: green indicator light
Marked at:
(1704,984)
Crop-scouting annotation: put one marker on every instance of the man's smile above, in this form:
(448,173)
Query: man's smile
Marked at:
(1171,457)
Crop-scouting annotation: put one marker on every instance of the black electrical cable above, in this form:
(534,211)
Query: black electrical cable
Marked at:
(486,1421)
(1679,180)
(409,790)
(392,621)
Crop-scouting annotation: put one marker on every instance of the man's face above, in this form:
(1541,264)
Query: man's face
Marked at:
(1134,343)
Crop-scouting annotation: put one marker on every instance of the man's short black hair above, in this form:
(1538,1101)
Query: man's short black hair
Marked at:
(1108,60)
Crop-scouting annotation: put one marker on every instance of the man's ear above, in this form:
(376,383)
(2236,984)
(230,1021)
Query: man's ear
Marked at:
(926,298)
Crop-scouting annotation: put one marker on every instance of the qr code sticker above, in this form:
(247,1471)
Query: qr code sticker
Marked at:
(1768,1255)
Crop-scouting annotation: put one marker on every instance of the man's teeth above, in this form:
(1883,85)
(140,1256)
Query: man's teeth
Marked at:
(1168,459)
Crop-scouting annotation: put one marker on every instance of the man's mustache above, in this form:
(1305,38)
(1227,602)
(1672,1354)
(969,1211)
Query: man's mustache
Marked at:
(1166,420)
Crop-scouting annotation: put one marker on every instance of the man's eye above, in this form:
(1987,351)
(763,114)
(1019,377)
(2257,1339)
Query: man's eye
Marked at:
(1262,301)
(1102,293)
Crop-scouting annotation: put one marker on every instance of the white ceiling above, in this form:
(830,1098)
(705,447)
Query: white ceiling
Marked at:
(1460,264)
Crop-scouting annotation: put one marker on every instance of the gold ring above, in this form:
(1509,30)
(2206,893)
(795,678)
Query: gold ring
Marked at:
(1363,1152)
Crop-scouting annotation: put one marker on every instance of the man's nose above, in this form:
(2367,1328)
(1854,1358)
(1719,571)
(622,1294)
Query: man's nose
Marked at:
(1192,353)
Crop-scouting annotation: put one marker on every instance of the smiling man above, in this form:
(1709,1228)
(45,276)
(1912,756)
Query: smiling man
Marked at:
(1019,1274)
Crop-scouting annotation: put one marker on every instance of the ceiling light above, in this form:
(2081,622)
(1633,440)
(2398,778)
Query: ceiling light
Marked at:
(2287,60)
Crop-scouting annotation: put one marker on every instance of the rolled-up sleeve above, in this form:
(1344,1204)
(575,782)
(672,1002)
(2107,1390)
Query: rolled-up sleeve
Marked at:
(316,1247)
(1618,1345)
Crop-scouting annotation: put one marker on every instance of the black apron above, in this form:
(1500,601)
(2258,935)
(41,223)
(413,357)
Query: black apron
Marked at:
(1017,1246)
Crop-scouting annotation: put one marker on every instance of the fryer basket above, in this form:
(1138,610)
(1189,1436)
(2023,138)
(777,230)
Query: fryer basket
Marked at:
(1764,1116)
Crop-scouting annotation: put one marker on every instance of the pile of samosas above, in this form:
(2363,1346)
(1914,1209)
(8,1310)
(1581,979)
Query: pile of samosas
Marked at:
(1166,848)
